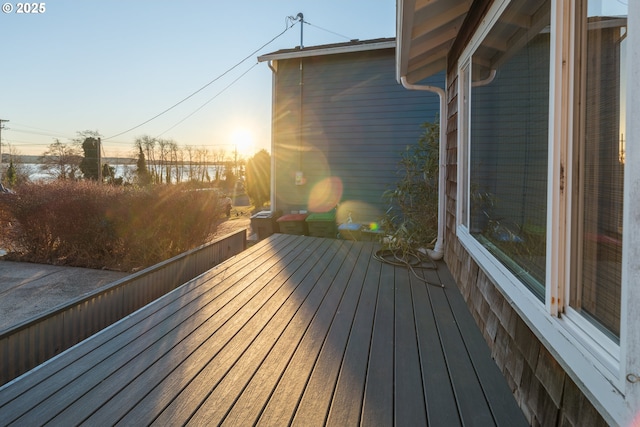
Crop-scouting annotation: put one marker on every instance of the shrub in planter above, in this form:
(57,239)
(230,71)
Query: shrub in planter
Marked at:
(411,221)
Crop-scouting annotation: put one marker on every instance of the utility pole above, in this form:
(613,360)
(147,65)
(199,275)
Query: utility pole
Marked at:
(1,127)
(99,161)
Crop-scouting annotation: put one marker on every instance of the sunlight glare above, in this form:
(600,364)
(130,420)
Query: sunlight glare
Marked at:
(243,141)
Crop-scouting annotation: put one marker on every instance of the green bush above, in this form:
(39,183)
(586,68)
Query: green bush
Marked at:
(101,226)
(412,218)
(258,177)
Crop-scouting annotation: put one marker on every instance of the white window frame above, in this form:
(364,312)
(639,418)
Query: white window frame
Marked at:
(591,358)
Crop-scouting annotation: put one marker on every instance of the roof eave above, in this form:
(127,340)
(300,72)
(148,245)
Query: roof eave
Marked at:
(425,31)
(331,50)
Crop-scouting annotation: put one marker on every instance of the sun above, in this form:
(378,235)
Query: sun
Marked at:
(242,140)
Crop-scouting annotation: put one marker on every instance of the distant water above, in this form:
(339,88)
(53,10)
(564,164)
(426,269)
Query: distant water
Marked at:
(125,171)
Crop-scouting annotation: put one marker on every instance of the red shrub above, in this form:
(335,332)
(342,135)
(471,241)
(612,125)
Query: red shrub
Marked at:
(91,225)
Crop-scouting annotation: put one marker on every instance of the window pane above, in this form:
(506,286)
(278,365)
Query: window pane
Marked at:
(601,147)
(509,134)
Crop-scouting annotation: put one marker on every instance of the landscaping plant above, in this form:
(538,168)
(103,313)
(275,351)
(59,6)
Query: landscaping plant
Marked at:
(411,222)
(83,223)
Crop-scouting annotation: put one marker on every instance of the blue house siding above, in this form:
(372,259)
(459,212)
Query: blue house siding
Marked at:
(348,121)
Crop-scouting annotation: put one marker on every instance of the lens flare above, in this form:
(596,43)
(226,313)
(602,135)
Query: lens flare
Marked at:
(325,195)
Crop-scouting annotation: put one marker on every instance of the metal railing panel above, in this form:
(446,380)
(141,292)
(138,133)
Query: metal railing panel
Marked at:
(36,340)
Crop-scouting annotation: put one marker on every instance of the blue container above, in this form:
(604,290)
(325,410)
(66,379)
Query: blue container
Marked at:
(350,231)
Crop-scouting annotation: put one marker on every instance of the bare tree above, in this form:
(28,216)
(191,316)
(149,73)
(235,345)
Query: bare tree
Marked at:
(82,135)
(148,146)
(218,161)
(177,158)
(162,160)
(191,154)
(202,159)
(61,161)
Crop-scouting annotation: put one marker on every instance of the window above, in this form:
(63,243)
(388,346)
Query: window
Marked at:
(541,163)
(600,146)
(508,141)
(541,167)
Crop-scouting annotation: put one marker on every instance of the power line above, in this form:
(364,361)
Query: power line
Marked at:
(203,87)
(328,31)
(211,99)
(51,134)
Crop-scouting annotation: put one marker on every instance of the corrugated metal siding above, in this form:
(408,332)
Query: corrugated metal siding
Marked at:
(356,119)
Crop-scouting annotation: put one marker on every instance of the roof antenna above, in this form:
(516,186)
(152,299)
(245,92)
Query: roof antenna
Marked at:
(301,17)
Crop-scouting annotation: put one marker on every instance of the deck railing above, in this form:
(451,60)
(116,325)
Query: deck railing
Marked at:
(34,341)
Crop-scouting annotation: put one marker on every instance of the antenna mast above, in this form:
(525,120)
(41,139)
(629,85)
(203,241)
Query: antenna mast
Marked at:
(301,17)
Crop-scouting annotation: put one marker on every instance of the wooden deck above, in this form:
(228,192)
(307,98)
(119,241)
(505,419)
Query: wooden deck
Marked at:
(295,330)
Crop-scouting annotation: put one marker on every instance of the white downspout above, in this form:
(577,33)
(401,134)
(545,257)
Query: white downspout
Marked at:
(438,251)
(272,184)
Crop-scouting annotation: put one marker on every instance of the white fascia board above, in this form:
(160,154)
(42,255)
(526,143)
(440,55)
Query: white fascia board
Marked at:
(305,53)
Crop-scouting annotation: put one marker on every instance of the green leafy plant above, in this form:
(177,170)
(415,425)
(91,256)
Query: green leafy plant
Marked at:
(411,222)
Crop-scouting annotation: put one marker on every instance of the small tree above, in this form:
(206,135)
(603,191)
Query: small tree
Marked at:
(229,180)
(89,164)
(109,175)
(144,178)
(412,219)
(16,172)
(11,176)
(258,178)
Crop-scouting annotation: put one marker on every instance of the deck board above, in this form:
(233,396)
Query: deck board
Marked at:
(378,397)
(468,393)
(187,337)
(295,330)
(410,406)
(349,390)
(67,358)
(286,396)
(210,361)
(212,341)
(316,400)
(438,390)
(495,388)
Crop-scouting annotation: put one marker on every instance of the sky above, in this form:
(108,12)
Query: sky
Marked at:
(111,65)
